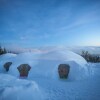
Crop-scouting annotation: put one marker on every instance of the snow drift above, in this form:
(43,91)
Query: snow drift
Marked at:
(17,89)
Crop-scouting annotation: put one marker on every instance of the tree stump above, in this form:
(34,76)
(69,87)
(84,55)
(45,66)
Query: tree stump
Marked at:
(7,65)
(24,70)
(63,70)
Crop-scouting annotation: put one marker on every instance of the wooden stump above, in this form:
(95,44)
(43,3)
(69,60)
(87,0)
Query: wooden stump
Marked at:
(24,70)
(63,70)
(7,65)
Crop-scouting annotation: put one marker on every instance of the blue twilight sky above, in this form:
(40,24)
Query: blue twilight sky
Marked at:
(34,23)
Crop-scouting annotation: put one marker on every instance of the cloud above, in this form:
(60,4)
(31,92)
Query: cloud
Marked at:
(23,38)
(82,19)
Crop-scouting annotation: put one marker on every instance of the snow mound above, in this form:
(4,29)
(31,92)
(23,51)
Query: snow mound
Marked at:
(18,89)
(46,64)
(7,56)
(64,55)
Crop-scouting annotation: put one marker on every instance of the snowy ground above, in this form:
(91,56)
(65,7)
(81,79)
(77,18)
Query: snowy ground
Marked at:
(88,89)
(44,84)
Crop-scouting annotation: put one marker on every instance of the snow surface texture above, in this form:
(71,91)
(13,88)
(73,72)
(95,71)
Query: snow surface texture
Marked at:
(46,64)
(17,89)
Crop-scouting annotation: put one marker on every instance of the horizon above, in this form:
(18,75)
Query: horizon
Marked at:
(36,23)
(41,50)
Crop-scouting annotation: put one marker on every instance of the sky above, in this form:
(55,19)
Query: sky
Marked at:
(38,23)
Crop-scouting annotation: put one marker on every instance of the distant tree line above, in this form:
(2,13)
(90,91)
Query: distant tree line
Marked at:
(2,50)
(90,57)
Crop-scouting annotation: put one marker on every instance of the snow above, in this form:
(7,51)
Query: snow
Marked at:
(64,55)
(6,58)
(12,88)
(49,63)
(43,82)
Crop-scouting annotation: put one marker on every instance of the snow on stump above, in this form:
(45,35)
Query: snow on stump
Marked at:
(24,70)
(7,65)
(63,70)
